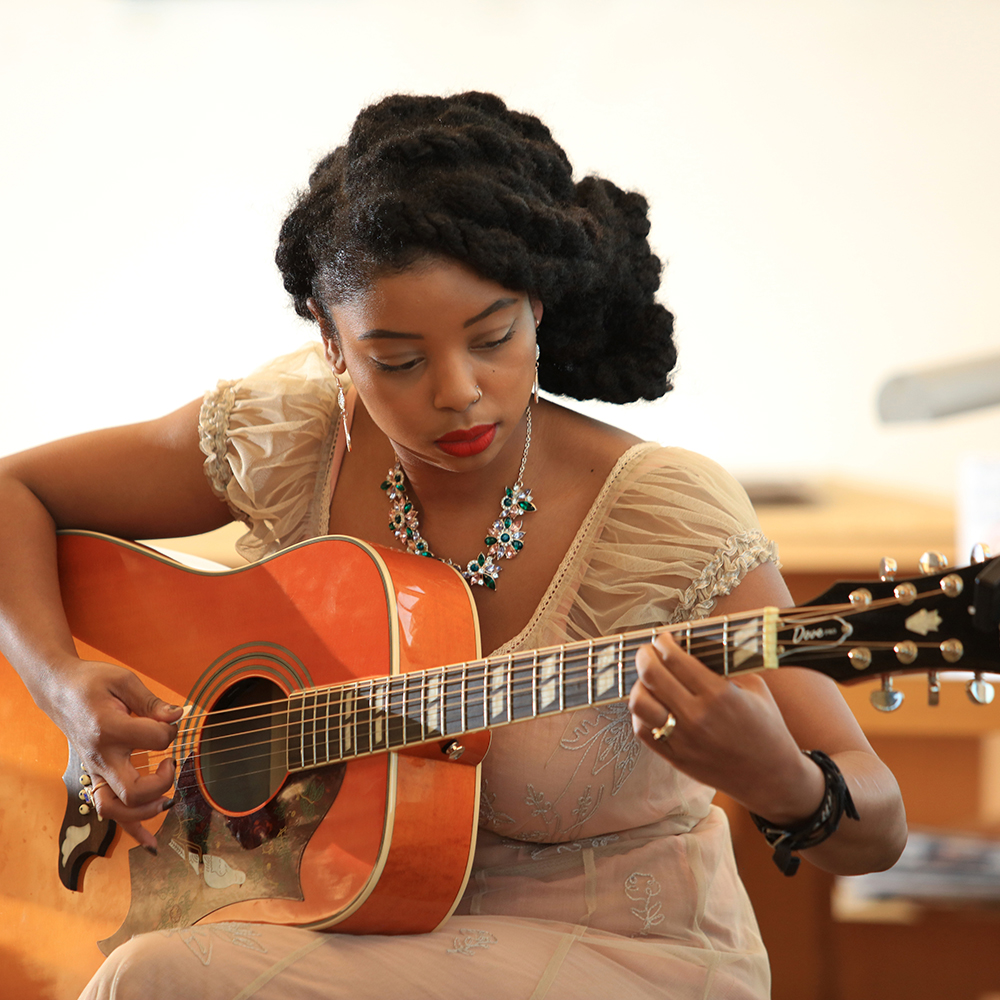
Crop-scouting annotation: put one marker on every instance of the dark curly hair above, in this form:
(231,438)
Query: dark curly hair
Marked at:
(464,177)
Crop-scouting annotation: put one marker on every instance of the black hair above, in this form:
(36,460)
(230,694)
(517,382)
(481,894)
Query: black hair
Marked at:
(464,177)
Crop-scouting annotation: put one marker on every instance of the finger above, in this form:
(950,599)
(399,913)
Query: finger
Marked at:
(656,674)
(647,710)
(688,669)
(139,700)
(138,791)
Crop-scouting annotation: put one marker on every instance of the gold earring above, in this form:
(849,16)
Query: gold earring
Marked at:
(342,403)
(534,390)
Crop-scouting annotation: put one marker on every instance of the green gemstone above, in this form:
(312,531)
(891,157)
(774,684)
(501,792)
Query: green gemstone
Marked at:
(409,532)
(407,507)
(517,546)
(507,522)
(385,485)
(505,537)
(481,559)
(508,491)
(507,502)
(399,488)
(488,581)
(524,505)
(490,540)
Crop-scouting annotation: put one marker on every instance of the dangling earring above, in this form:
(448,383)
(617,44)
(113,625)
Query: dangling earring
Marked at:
(342,403)
(534,390)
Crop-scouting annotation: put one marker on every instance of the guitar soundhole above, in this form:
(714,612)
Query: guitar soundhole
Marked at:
(242,743)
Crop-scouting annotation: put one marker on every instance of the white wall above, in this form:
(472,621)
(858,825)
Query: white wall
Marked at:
(823,175)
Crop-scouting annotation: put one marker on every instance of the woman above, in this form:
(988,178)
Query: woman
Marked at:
(452,264)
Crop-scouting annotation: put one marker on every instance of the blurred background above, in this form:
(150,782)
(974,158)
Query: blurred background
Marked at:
(823,176)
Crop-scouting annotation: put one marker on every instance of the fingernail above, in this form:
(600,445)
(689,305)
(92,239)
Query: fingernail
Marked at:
(150,850)
(660,642)
(169,804)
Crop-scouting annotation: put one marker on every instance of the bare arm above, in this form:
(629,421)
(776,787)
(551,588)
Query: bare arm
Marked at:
(140,481)
(745,737)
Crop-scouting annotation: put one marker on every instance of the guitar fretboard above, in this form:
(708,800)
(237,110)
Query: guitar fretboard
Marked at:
(330,724)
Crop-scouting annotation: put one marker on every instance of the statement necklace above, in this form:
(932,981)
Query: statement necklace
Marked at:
(502,541)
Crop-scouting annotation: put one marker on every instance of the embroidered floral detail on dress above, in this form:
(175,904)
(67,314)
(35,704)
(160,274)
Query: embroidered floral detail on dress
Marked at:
(489,816)
(201,939)
(641,888)
(468,940)
(615,741)
(732,562)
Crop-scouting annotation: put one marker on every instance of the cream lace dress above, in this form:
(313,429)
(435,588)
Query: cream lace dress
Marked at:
(600,870)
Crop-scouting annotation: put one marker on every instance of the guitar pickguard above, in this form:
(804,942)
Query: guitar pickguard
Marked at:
(206,860)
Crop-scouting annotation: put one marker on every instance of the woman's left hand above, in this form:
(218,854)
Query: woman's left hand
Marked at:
(729,733)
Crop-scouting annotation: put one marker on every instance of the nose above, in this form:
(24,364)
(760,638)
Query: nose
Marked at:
(455,387)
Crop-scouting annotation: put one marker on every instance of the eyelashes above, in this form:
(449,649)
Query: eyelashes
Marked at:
(406,366)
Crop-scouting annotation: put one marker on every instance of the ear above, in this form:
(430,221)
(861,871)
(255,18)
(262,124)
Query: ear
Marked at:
(331,342)
(536,309)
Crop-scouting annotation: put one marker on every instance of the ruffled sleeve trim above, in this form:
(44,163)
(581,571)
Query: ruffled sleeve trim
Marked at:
(269,441)
(669,533)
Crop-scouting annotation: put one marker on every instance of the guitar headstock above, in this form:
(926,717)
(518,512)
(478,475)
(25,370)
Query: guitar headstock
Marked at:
(943,620)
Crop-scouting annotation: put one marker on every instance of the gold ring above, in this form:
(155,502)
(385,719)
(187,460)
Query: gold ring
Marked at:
(662,733)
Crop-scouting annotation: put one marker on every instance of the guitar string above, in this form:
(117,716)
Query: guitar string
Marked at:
(707,632)
(476,707)
(383,748)
(362,688)
(706,638)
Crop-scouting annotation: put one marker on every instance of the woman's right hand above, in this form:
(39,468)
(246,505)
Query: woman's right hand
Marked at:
(106,713)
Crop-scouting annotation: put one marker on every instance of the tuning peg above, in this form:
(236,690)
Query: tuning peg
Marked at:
(933,688)
(887,569)
(887,698)
(980,692)
(931,562)
(980,553)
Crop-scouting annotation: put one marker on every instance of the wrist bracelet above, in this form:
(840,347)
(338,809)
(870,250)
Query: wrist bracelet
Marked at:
(821,824)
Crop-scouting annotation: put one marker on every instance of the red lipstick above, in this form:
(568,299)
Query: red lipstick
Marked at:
(465,443)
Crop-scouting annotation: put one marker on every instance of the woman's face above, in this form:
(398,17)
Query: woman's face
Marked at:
(443,360)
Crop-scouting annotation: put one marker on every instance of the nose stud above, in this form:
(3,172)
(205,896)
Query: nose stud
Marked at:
(479,396)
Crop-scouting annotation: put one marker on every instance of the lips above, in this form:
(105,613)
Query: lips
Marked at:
(471,441)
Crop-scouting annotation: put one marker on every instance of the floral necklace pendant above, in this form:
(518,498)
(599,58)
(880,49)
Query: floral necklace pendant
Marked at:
(504,540)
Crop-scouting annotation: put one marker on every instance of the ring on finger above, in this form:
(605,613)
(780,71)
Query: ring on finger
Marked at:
(662,733)
(89,795)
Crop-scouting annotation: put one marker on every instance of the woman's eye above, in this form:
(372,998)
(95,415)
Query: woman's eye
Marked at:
(496,343)
(405,366)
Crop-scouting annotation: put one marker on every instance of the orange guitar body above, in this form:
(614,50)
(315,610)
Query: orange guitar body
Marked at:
(380,844)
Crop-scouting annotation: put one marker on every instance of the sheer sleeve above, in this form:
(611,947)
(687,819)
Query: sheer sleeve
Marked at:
(268,441)
(670,533)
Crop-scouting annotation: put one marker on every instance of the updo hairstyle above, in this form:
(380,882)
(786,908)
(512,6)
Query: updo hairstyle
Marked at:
(464,177)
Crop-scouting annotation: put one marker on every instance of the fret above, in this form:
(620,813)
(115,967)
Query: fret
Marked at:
(607,673)
(433,716)
(523,689)
(294,715)
(396,708)
(547,681)
(562,678)
(510,691)
(303,742)
(590,672)
(465,696)
(688,631)
(497,681)
(453,716)
(347,722)
(621,666)
(725,646)
(534,684)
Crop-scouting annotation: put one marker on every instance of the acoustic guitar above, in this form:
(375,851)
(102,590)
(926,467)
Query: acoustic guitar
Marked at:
(328,763)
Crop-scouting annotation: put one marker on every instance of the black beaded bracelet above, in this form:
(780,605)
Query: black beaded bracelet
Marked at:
(821,824)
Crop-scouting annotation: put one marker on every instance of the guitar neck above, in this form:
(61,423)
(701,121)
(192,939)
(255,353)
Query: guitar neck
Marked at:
(341,722)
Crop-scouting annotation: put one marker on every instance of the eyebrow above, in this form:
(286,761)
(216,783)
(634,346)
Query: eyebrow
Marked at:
(398,335)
